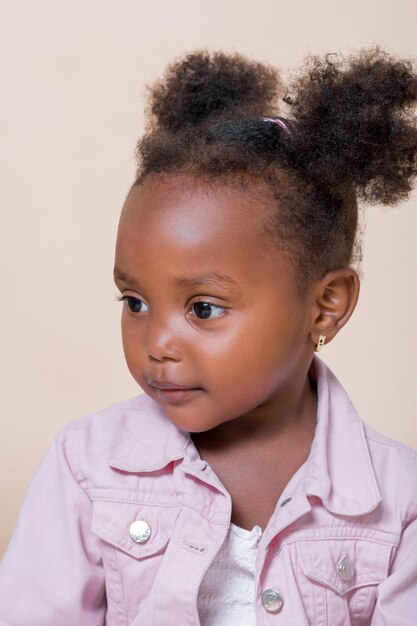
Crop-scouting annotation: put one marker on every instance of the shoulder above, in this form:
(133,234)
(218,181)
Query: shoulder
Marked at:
(389,446)
(91,441)
(104,428)
(394,463)
(389,449)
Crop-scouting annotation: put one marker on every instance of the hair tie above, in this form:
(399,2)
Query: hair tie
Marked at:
(279,122)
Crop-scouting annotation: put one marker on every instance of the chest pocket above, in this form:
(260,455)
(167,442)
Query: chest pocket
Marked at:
(134,540)
(342,576)
(138,530)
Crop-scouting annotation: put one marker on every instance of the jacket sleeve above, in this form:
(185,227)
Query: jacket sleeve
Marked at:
(397,594)
(52,571)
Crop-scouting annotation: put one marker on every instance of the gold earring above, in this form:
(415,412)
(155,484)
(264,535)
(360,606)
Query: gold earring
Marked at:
(320,342)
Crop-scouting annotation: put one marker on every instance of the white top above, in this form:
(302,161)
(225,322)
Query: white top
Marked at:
(226,592)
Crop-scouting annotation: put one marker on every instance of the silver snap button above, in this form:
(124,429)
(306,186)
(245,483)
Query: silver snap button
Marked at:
(140,531)
(272,600)
(345,568)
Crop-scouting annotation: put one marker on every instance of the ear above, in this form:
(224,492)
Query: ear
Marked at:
(334,299)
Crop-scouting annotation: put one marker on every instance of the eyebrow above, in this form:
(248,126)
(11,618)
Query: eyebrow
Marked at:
(211,278)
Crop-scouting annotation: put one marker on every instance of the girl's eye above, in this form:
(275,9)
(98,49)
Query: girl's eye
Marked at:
(203,310)
(135,305)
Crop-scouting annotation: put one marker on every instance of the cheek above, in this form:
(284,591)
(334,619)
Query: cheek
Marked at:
(131,342)
(259,348)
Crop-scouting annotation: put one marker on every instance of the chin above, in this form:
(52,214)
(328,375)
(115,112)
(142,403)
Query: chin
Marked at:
(191,424)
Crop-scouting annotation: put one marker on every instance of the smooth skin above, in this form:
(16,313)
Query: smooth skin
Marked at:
(244,343)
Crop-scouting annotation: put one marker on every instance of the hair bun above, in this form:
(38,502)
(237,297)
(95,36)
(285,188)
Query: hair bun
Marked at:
(355,124)
(203,84)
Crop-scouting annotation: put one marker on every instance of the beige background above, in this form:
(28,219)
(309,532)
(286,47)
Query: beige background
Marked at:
(72,85)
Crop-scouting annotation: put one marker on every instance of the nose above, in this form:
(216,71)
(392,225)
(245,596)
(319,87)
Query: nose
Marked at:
(163,341)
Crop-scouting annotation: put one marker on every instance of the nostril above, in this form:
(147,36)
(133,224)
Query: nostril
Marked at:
(163,357)
(163,335)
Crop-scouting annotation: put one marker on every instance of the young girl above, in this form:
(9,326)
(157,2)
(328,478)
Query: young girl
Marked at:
(242,487)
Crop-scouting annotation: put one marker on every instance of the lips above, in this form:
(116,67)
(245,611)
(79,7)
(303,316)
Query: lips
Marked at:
(173,393)
(163,384)
(175,396)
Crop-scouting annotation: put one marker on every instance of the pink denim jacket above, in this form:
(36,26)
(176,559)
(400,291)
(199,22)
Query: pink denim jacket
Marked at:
(340,548)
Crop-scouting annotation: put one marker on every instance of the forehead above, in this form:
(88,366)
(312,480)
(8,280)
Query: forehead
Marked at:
(185,206)
(186,226)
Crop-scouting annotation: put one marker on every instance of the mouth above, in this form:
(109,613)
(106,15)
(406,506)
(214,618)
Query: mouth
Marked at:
(171,393)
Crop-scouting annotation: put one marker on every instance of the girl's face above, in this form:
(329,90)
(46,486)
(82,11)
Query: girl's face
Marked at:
(213,326)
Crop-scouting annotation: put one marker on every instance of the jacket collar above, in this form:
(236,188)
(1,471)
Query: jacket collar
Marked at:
(152,443)
(338,470)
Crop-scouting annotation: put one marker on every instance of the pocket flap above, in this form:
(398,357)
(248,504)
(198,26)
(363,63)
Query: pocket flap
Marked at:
(112,522)
(343,565)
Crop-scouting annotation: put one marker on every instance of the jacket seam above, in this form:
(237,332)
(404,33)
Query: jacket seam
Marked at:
(72,458)
(288,542)
(392,444)
(128,500)
(122,610)
(337,537)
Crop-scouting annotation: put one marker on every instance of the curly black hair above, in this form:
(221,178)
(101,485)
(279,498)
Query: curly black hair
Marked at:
(350,134)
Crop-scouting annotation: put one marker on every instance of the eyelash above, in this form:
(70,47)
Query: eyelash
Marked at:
(216,306)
